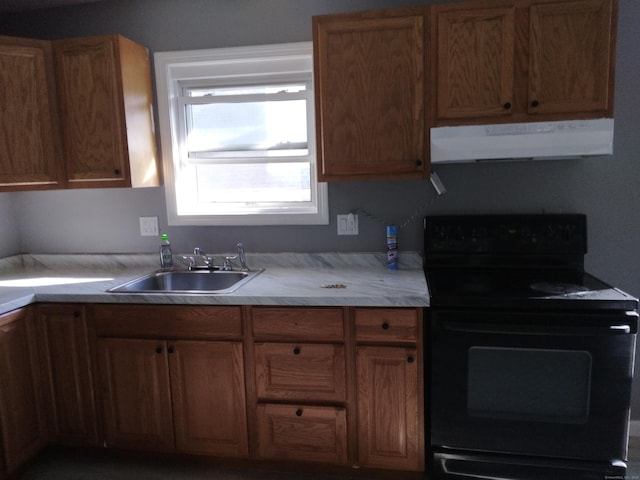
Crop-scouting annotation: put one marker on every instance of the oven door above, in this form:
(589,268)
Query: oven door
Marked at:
(553,385)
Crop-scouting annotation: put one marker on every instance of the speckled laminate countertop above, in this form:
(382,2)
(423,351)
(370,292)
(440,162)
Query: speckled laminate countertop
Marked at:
(288,279)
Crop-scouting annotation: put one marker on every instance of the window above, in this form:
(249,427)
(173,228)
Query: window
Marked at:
(238,136)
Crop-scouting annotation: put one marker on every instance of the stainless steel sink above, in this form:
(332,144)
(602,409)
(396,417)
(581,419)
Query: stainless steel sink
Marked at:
(193,281)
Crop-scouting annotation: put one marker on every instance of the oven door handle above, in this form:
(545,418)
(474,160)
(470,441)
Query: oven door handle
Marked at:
(616,328)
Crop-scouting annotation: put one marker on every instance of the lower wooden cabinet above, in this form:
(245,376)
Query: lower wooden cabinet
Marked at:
(68,374)
(22,419)
(184,393)
(302,432)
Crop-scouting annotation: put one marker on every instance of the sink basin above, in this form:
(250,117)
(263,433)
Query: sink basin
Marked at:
(184,281)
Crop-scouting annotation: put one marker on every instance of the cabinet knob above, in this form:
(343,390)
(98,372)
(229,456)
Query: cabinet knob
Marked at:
(296,351)
(410,359)
(170,349)
(158,349)
(535,103)
(418,163)
(385,326)
(116,171)
(76,314)
(507,105)
(299,412)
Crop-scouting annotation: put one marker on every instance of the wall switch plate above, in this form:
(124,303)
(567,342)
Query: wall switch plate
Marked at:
(348,224)
(149,227)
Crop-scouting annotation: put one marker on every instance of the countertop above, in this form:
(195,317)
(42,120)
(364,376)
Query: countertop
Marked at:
(288,279)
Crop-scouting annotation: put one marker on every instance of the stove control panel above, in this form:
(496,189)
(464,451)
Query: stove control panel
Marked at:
(506,234)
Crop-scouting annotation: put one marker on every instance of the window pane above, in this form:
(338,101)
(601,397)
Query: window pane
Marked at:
(254,184)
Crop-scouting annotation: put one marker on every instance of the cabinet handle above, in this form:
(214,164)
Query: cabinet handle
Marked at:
(418,163)
(507,105)
(535,103)
(76,314)
(299,412)
(170,349)
(410,359)
(158,349)
(385,326)
(116,171)
(296,351)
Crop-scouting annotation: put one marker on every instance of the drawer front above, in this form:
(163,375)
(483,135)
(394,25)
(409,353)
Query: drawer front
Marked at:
(386,324)
(305,324)
(167,321)
(317,434)
(288,371)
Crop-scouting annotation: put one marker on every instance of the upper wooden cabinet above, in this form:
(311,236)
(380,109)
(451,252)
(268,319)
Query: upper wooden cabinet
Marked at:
(105,98)
(30,147)
(522,60)
(371,104)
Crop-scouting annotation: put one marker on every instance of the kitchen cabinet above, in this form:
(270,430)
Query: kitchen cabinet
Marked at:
(30,145)
(300,375)
(522,60)
(390,388)
(173,368)
(68,374)
(105,98)
(371,104)
(23,427)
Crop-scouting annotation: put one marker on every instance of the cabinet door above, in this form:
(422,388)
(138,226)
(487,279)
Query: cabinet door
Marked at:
(370,99)
(207,382)
(388,408)
(90,98)
(306,433)
(570,61)
(30,148)
(23,426)
(300,372)
(136,395)
(68,373)
(474,60)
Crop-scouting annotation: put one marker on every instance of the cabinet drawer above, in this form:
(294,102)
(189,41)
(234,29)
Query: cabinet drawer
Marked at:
(386,324)
(304,324)
(167,321)
(288,371)
(304,433)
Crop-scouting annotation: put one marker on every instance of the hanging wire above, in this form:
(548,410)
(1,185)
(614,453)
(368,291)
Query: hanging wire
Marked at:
(409,219)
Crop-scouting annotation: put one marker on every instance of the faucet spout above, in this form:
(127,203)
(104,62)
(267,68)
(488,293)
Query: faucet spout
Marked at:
(241,257)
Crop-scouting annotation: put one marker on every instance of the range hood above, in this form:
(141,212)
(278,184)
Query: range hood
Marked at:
(536,140)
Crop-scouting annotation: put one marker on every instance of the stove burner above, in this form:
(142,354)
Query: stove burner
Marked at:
(558,288)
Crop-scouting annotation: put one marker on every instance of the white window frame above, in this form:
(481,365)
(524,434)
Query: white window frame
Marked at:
(280,61)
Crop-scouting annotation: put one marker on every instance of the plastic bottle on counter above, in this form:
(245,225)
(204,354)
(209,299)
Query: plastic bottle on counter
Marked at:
(392,247)
(166,256)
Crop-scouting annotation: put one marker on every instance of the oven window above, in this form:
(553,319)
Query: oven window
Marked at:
(529,384)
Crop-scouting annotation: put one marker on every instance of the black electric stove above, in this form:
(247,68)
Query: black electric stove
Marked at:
(530,357)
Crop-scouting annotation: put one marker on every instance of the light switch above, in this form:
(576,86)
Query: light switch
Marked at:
(348,224)
(149,226)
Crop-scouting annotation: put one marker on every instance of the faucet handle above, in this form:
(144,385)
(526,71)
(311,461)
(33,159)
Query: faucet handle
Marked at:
(197,251)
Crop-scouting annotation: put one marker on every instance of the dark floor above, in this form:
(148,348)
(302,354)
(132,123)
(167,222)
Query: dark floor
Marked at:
(70,465)
(55,464)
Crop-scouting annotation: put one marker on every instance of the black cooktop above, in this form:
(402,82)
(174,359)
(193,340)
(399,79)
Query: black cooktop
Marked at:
(530,289)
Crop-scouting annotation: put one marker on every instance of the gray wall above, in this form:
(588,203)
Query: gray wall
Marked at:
(605,188)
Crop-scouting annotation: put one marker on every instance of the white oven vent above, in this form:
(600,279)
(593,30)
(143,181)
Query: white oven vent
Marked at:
(511,141)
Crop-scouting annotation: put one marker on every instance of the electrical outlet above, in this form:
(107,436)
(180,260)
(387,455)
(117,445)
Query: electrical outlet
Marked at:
(149,226)
(348,224)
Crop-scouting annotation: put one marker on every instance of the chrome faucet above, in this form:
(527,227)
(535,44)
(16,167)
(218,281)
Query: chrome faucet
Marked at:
(193,261)
(242,258)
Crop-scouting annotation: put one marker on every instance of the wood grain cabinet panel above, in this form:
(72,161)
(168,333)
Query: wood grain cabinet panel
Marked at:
(522,60)
(299,372)
(381,325)
(68,379)
(105,98)
(389,408)
(369,70)
(209,406)
(30,144)
(306,433)
(23,427)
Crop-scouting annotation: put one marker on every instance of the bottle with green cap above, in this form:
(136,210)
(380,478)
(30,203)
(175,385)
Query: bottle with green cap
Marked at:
(166,256)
